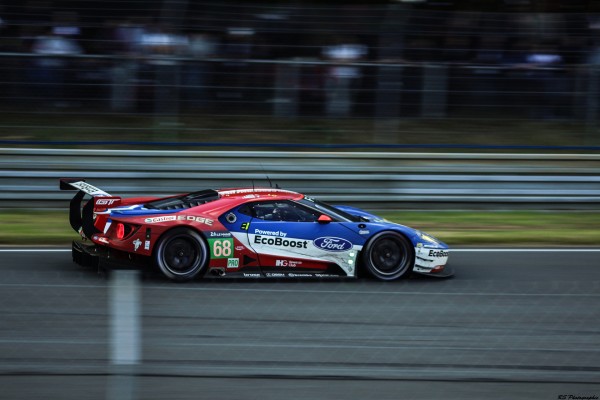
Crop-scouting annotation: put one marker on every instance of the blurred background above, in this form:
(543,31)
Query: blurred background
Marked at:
(461,72)
(476,121)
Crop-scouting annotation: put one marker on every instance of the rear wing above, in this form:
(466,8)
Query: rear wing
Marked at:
(81,184)
(82,219)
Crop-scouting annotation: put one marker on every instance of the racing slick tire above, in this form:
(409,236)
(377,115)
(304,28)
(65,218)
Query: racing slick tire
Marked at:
(181,254)
(389,256)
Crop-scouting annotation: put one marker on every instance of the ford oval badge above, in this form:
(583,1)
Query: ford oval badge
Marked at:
(329,243)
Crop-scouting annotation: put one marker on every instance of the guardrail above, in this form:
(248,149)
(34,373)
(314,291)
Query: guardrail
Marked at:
(29,177)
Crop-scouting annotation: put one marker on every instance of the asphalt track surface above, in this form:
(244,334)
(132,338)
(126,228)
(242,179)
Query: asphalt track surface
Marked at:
(519,324)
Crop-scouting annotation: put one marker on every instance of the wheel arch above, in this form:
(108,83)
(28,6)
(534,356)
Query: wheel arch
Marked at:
(182,230)
(173,228)
(408,235)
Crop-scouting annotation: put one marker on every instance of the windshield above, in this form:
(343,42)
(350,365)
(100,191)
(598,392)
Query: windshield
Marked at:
(330,210)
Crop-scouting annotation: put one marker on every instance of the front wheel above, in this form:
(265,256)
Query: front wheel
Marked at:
(181,254)
(389,256)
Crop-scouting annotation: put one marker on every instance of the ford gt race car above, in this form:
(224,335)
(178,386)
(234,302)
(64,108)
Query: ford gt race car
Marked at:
(245,233)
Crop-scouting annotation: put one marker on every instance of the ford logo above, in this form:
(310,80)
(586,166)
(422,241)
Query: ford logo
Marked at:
(332,244)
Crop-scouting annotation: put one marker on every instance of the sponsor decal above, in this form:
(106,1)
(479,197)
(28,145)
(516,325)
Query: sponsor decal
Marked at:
(136,244)
(287,263)
(248,275)
(363,232)
(280,242)
(275,275)
(219,234)
(100,239)
(329,243)
(89,189)
(239,248)
(254,190)
(438,253)
(166,218)
(221,248)
(233,262)
(270,233)
(147,245)
(245,226)
(294,275)
(200,220)
(231,218)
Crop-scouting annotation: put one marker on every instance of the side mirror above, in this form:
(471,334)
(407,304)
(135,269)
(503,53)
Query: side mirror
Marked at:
(324,219)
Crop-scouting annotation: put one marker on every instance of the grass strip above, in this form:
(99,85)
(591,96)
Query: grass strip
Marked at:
(77,125)
(514,228)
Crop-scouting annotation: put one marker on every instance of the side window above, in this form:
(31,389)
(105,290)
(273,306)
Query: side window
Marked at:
(266,211)
(246,210)
(283,211)
(298,213)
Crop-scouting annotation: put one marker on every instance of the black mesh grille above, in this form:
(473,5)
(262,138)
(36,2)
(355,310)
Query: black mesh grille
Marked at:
(193,199)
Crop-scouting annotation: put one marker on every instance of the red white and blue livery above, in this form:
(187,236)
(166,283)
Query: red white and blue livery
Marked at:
(246,233)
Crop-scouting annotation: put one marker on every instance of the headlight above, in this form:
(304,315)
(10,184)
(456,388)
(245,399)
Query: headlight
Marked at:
(428,238)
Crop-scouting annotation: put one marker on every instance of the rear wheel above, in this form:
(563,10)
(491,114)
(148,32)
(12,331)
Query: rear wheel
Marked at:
(389,256)
(181,254)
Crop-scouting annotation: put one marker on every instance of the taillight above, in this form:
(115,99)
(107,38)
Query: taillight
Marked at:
(120,231)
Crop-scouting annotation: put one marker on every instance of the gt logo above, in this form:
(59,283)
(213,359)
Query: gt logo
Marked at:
(109,201)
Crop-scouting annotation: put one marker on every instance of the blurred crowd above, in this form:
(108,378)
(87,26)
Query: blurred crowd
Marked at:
(276,63)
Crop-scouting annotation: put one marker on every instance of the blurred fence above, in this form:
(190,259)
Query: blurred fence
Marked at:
(29,177)
(67,65)
(101,84)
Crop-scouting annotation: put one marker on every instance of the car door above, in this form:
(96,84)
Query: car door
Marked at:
(233,246)
(295,240)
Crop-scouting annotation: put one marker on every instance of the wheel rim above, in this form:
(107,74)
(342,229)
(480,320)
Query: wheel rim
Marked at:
(180,255)
(389,256)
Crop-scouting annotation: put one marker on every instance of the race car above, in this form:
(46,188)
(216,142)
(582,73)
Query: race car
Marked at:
(248,232)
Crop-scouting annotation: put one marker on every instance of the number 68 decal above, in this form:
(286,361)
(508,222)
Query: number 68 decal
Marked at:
(221,248)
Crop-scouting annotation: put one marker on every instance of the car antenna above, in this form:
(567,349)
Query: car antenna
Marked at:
(268,179)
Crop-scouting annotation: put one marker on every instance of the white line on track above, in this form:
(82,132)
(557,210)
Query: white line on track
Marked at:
(301,291)
(23,250)
(156,343)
